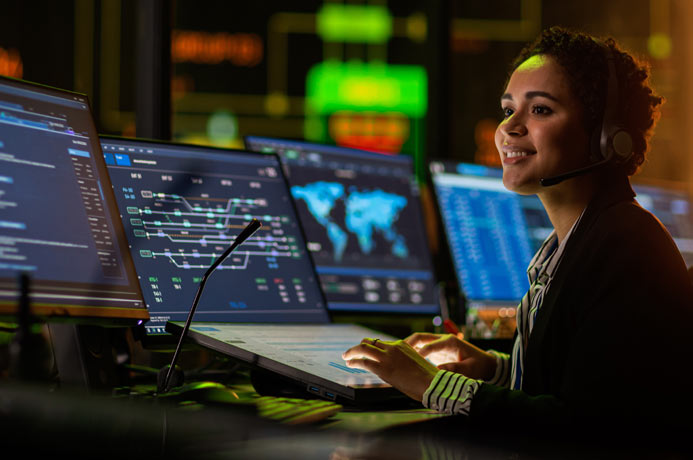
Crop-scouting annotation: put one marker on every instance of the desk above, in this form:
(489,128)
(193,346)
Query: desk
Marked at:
(67,425)
(374,421)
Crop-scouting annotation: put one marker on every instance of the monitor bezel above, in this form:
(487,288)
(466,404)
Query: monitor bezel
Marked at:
(65,311)
(388,316)
(163,340)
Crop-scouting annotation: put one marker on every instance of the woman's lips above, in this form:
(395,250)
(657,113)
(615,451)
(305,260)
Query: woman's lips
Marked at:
(512,156)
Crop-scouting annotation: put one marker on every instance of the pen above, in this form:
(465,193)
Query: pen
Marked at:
(451,328)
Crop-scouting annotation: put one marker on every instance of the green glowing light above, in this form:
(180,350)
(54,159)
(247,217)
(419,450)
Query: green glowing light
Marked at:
(333,85)
(659,46)
(533,62)
(354,23)
(222,127)
(314,128)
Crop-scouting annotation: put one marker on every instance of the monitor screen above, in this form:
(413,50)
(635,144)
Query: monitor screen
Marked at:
(674,209)
(363,220)
(58,220)
(492,234)
(183,205)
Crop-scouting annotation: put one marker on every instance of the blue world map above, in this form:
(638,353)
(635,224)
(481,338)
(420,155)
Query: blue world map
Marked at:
(366,212)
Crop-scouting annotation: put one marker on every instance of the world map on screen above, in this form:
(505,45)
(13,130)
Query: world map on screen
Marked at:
(367,212)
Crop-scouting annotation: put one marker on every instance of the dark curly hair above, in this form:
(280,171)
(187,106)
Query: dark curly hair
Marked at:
(584,59)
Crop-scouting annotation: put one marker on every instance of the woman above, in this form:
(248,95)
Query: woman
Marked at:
(602,330)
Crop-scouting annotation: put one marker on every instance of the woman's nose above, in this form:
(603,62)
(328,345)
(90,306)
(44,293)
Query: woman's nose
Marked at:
(514,125)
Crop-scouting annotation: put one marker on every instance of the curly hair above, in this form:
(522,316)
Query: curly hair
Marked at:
(584,59)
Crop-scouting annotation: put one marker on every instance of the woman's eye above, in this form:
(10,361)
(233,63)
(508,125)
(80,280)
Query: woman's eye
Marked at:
(507,111)
(541,110)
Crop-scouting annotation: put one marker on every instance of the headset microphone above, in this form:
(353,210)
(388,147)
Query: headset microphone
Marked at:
(612,143)
(576,172)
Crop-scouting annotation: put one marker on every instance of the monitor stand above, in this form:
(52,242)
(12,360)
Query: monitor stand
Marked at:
(85,356)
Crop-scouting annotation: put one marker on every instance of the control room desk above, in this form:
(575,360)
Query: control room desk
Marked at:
(65,425)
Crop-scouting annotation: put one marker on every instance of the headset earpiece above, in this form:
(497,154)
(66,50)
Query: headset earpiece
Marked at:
(615,143)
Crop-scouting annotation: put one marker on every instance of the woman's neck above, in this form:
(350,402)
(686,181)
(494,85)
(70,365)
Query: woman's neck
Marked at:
(566,201)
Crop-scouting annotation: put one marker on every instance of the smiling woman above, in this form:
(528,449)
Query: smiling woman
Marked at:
(542,133)
(602,333)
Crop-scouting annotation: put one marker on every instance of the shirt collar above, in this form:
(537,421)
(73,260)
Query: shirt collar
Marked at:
(547,258)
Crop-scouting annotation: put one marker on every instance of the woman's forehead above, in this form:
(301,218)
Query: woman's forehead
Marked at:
(533,62)
(539,73)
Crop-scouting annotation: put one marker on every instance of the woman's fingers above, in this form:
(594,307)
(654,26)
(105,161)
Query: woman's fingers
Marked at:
(375,343)
(396,362)
(447,343)
(366,349)
(419,339)
(366,355)
(363,363)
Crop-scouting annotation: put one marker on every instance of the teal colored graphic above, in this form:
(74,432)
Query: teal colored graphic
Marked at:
(375,210)
(366,212)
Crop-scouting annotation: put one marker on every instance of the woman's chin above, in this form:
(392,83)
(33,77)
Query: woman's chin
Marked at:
(521,185)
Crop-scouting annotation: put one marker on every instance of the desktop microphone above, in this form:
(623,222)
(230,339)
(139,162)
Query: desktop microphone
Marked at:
(165,374)
(576,172)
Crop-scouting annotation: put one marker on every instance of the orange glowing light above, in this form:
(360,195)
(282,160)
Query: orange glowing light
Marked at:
(384,132)
(241,49)
(484,136)
(11,63)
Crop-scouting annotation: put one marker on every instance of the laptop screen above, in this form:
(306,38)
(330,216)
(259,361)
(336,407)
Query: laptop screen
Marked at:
(362,215)
(183,205)
(58,221)
(492,234)
(673,208)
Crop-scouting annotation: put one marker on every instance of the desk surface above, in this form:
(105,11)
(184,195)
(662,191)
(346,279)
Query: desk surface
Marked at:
(373,421)
(35,420)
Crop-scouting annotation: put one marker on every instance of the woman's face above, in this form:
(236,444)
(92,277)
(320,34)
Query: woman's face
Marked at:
(542,133)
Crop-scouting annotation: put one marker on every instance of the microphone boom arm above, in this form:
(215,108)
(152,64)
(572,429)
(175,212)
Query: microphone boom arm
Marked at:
(549,181)
(251,228)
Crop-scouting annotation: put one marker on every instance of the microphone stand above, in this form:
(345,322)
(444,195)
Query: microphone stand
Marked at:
(163,380)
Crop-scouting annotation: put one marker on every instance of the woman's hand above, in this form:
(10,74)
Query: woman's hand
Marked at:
(452,353)
(395,362)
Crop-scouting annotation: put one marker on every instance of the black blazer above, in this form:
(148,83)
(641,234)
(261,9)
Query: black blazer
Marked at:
(611,341)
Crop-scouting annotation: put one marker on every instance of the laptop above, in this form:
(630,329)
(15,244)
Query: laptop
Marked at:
(492,234)
(181,207)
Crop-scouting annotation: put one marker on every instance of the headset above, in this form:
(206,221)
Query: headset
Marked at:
(612,144)
(615,143)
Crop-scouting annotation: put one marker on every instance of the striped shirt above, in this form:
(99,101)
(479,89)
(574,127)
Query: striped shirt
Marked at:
(451,392)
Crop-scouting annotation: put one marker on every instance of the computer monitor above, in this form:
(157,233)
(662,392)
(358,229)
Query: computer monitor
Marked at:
(363,220)
(183,205)
(673,207)
(58,219)
(492,234)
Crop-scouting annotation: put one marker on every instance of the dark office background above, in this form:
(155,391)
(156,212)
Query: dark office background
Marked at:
(239,68)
